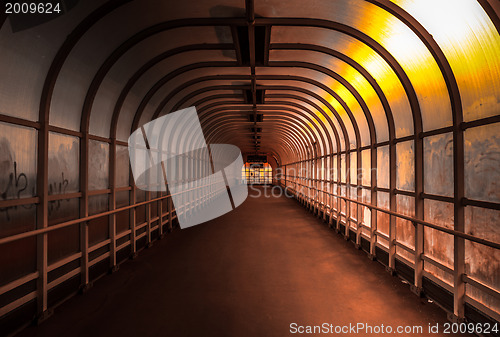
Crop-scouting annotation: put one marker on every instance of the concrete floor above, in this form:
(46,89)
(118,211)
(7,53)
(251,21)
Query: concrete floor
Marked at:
(251,272)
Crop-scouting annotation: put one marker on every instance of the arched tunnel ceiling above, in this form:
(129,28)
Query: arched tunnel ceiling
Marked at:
(325,76)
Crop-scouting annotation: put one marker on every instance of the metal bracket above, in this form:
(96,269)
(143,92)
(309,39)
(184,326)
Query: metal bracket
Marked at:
(371,257)
(416,290)
(86,287)
(455,319)
(39,319)
(390,270)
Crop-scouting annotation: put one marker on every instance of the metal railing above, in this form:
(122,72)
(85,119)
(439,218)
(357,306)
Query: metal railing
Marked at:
(171,213)
(310,194)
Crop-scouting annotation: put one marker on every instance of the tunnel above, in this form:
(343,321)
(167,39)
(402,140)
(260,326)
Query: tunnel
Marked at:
(363,196)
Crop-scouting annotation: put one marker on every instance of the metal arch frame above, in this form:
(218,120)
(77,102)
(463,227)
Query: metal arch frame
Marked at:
(207,99)
(178,105)
(303,115)
(149,65)
(180,88)
(219,123)
(287,119)
(219,87)
(295,147)
(42,156)
(325,71)
(390,123)
(268,87)
(304,139)
(188,132)
(338,98)
(286,134)
(458,154)
(307,135)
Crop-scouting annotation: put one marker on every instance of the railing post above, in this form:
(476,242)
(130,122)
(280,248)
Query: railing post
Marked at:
(112,206)
(160,217)
(148,220)
(373,238)
(84,246)
(391,268)
(84,212)
(169,210)
(373,201)
(416,288)
(132,222)
(42,312)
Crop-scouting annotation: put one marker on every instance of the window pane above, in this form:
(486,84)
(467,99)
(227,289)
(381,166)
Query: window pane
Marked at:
(482,162)
(98,165)
(383,172)
(122,166)
(405,166)
(438,245)
(18,150)
(438,164)
(64,164)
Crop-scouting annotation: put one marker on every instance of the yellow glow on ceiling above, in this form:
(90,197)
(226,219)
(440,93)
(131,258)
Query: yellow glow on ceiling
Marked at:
(471,44)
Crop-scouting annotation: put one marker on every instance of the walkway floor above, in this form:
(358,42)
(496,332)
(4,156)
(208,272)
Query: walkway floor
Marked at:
(252,272)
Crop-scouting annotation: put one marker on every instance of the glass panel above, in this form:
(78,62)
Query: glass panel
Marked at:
(98,165)
(65,241)
(438,164)
(342,168)
(405,232)
(346,97)
(438,245)
(122,166)
(354,195)
(365,212)
(482,262)
(366,167)
(63,210)
(362,86)
(140,195)
(405,166)
(18,151)
(383,172)
(354,169)
(383,218)
(334,168)
(368,59)
(17,258)
(98,228)
(122,218)
(482,162)
(64,164)
(470,43)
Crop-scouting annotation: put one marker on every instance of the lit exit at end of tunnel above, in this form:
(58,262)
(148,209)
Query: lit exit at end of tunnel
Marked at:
(250,168)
